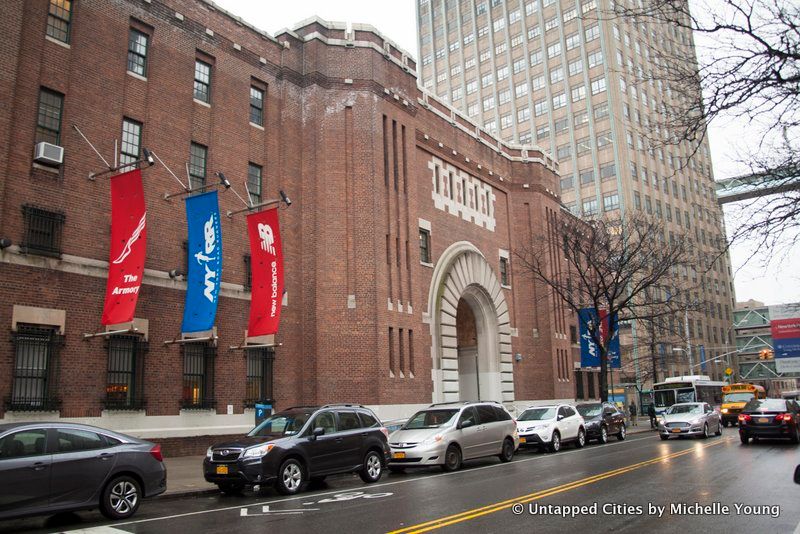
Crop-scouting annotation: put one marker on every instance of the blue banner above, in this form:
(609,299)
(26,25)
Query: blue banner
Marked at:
(702,358)
(590,352)
(205,262)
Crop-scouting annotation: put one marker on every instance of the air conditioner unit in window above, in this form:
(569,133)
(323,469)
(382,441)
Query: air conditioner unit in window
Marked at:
(48,154)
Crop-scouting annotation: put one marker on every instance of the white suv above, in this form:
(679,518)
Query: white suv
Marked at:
(550,426)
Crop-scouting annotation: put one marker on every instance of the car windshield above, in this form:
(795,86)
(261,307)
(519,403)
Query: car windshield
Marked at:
(281,424)
(537,414)
(738,397)
(685,408)
(589,410)
(431,419)
(766,405)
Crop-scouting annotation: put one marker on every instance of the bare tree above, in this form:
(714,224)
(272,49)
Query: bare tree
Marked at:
(731,60)
(627,267)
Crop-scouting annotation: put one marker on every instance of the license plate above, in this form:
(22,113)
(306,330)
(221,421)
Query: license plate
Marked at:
(763,420)
(676,430)
(398,455)
(523,440)
(222,469)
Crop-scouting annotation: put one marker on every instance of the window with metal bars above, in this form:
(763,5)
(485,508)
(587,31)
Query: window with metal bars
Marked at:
(59,19)
(198,376)
(198,157)
(34,384)
(125,378)
(137,52)
(42,231)
(259,375)
(48,121)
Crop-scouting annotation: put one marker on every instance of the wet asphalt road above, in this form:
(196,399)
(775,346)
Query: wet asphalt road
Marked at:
(620,486)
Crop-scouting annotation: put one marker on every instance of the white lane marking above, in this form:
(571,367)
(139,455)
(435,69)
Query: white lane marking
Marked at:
(415,479)
(99,530)
(266,511)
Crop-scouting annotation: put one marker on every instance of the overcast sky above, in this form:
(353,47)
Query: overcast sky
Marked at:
(774,283)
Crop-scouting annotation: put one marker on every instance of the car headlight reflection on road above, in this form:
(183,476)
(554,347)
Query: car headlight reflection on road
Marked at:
(258,452)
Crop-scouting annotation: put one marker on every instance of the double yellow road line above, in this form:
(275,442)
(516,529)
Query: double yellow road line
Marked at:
(524,499)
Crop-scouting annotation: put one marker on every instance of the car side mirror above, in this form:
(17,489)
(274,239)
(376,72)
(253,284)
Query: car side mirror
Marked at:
(797,474)
(466,423)
(319,431)
(560,417)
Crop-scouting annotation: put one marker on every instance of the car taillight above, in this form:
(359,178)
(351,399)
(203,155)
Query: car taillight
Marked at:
(385,431)
(155,452)
(785,417)
(744,418)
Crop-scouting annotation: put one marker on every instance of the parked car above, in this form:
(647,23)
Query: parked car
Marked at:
(770,418)
(48,468)
(446,434)
(601,420)
(551,426)
(689,419)
(301,445)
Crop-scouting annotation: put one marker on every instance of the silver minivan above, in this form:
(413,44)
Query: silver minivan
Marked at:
(448,433)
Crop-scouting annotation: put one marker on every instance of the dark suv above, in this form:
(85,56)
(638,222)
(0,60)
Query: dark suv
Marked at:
(299,445)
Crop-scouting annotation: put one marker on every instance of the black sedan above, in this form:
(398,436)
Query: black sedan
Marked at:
(48,468)
(602,420)
(770,418)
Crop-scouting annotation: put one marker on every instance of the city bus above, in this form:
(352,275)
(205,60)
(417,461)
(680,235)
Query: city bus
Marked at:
(694,388)
(735,397)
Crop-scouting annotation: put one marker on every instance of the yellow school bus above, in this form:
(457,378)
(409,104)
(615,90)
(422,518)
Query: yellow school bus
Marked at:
(735,396)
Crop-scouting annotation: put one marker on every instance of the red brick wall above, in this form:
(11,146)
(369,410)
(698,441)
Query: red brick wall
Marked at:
(322,143)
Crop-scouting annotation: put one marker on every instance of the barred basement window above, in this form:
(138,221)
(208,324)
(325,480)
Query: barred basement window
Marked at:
(259,375)
(198,376)
(125,377)
(59,17)
(42,231)
(35,368)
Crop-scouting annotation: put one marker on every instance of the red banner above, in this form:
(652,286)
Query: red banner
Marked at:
(127,250)
(266,267)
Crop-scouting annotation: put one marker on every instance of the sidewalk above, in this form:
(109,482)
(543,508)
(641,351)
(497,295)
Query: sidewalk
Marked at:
(185,473)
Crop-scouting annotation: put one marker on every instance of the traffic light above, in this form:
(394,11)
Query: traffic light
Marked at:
(766,354)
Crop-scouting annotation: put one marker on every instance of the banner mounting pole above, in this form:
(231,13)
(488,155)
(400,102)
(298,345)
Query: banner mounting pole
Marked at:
(283,198)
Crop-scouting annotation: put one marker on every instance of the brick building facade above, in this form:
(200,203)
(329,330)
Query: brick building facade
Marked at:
(401,287)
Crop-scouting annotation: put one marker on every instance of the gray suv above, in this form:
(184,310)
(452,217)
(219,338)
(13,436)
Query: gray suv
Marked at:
(446,434)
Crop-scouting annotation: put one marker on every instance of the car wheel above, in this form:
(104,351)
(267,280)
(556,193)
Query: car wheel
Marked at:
(452,458)
(622,433)
(120,498)
(705,431)
(744,437)
(291,477)
(663,437)
(230,488)
(397,470)
(555,442)
(603,439)
(796,438)
(581,441)
(507,453)
(719,429)
(373,468)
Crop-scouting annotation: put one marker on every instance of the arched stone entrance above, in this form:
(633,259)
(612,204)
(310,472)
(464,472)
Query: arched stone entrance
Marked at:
(470,329)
